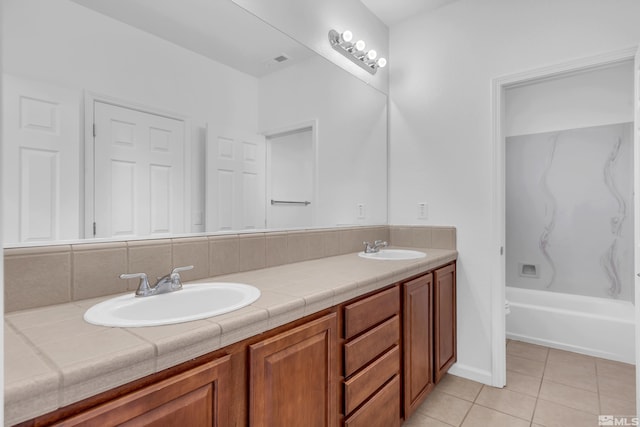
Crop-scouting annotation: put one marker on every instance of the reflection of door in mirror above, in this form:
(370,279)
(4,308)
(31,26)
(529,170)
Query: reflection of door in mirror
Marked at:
(290,178)
(234,180)
(40,162)
(138,175)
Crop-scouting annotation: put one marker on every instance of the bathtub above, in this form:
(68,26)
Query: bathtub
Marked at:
(595,326)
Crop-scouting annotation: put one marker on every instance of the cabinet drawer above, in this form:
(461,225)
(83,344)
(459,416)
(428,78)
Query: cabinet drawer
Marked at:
(383,409)
(358,388)
(368,346)
(363,314)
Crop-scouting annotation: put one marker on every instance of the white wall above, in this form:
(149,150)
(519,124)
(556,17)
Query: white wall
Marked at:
(1,234)
(309,22)
(596,97)
(352,135)
(66,44)
(441,68)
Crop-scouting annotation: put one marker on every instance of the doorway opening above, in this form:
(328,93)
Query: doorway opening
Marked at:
(291,177)
(501,131)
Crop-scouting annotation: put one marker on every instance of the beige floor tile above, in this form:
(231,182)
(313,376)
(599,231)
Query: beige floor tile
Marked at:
(527,351)
(618,388)
(507,401)
(521,383)
(572,397)
(613,406)
(551,414)
(609,368)
(460,387)
(444,407)
(530,367)
(419,420)
(480,416)
(568,356)
(575,359)
(572,374)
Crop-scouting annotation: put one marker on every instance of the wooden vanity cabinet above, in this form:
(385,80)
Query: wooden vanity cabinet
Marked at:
(198,397)
(294,377)
(367,362)
(429,333)
(419,377)
(372,360)
(444,332)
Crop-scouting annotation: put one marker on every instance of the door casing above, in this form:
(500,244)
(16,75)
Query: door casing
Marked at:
(498,86)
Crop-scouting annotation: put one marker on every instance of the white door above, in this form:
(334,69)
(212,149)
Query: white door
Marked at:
(40,161)
(139,173)
(636,200)
(235,183)
(290,183)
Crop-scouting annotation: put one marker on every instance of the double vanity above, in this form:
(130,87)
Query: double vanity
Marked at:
(351,339)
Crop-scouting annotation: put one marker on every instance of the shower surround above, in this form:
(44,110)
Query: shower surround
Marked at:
(569,225)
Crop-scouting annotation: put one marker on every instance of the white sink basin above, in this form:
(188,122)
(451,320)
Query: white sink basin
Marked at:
(192,302)
(394,254)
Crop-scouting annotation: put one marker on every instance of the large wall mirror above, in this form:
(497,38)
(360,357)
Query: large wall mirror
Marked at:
(154,118)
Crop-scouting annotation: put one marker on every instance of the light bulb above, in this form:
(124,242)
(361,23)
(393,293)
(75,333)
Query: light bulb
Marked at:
(359,45)
(371,54)
(381,62)
(346,36)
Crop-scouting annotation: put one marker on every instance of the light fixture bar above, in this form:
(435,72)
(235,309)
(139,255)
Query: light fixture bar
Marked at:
(355,51)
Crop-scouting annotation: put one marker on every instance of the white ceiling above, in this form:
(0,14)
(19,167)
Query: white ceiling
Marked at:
(393,11)
(224,32)
(219,30)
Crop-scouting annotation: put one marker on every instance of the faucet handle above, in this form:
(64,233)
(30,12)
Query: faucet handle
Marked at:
(143,285)
(176,282)
(179,269)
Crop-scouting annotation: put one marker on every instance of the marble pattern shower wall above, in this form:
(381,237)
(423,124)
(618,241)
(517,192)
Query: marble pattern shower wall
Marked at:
(569,209)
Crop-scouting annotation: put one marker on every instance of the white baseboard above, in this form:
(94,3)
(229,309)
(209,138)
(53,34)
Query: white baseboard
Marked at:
(618,357)
(471,373)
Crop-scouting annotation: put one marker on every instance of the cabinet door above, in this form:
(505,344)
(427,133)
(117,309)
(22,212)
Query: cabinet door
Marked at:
(418,348)
(444,294)
(194,398)
(294,377)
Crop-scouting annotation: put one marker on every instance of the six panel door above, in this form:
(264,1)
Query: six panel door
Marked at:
(139,173)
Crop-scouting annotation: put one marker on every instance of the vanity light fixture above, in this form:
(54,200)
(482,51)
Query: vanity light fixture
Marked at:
(355,51)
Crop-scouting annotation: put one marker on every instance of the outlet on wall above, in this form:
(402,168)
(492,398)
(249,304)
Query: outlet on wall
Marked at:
(360,211)
(422,210)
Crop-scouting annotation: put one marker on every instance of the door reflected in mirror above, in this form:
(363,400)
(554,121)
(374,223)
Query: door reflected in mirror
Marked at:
(216,110)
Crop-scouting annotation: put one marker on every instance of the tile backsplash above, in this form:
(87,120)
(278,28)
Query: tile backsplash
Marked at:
(47,275)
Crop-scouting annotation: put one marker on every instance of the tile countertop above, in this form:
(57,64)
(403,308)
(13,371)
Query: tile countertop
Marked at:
(54,358)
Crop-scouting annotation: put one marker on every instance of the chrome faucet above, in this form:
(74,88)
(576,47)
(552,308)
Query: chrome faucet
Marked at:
(169,283)
(372,249)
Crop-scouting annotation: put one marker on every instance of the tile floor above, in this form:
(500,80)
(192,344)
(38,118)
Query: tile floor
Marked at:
(545,387)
